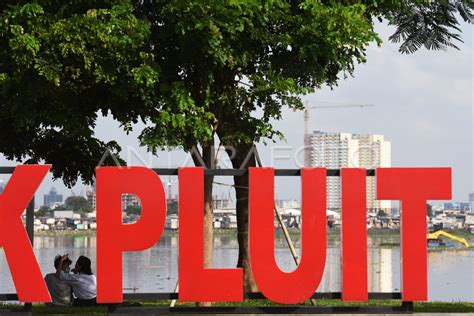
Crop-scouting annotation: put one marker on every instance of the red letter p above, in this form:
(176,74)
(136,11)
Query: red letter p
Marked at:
(114,237)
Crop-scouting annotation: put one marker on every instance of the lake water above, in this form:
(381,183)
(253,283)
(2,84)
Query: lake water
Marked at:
(450,273)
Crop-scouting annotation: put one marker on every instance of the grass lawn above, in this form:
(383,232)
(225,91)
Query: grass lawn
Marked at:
(428,307)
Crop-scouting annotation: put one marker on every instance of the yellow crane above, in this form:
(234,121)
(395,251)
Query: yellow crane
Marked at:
(435,237)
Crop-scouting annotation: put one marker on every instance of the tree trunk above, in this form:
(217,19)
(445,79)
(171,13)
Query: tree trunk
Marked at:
(242,209)
(207,158)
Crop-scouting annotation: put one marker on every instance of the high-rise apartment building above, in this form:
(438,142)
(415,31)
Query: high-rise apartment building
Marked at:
(52,197)
(345,150)
(90,196)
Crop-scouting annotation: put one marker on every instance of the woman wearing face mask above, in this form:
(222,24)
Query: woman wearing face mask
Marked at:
(83,282)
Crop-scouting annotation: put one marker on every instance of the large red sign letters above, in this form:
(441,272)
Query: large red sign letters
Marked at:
(412,186)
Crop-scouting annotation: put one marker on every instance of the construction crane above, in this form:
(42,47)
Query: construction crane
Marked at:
(434,238)
(306,122)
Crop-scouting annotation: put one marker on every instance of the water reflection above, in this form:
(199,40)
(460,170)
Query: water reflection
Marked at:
(450,273)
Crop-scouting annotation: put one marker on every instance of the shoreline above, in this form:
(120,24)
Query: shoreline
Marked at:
(331,232)
(294,233)
(389,238)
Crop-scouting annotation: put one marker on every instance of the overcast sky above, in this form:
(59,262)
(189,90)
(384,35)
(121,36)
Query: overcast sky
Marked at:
(424,106)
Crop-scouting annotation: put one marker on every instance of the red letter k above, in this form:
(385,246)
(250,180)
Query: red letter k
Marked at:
(21,259)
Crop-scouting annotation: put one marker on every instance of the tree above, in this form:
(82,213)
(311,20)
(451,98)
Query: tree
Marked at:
(429,210)
(43,211)
(241,62)
(133,209)
(230,59)
(78,204)
(61,64)
(193,70)
(172,207)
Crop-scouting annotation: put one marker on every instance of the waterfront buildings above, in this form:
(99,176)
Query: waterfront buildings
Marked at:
(90,196)
(127,199)
(459,206)
(52,198)
(222,202)
(346,150)
(64,214)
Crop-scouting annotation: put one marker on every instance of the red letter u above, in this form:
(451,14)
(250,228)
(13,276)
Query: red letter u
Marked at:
(299,285)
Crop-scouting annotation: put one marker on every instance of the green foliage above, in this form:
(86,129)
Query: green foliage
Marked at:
(243,61)
(78,204)
(419,307)
(189,69)
(133,209)
(236,64)
(430,24)
(429,210)
(43,211)
(61,62)
(172,207)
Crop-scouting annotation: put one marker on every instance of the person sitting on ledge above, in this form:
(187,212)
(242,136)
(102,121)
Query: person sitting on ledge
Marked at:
(83,282)
(61,293)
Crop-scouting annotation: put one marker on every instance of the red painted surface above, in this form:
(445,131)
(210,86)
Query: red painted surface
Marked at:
(354,235)
(114,237)
(413,187)
(197,284)
(21,259)
(299,285)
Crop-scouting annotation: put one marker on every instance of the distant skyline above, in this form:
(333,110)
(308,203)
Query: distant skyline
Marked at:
(424,106)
